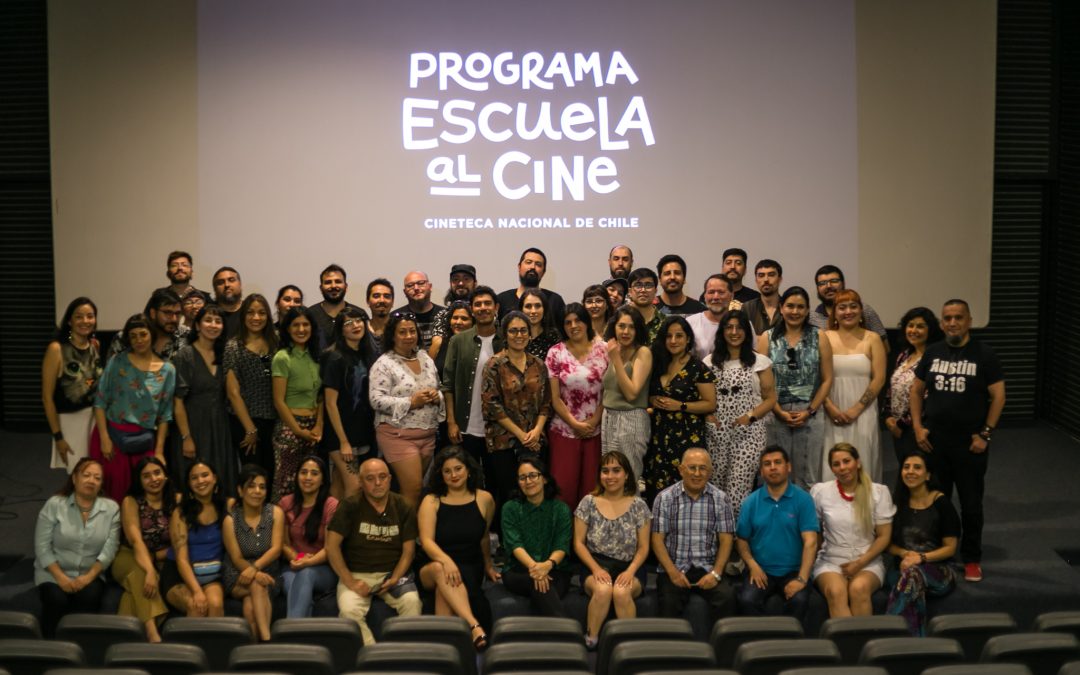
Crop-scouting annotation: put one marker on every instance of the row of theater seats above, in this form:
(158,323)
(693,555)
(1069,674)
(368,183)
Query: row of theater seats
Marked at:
(876,645)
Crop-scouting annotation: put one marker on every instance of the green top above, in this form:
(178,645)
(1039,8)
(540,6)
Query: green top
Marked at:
(301,375)
(613,396)
(540,530)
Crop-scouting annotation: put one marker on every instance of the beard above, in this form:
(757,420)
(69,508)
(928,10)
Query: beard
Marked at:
(333,297)
(954,340)
(530,279)
(178,277)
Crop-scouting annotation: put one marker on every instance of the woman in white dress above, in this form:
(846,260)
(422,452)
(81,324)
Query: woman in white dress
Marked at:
(856,525)
(858,376)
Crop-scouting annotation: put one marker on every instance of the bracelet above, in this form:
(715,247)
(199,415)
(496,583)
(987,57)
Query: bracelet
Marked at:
(253,432)
(922,558)
(716,575)
(801,580)
(58,436)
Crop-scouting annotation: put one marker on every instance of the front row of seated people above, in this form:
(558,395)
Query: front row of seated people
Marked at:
(193,555)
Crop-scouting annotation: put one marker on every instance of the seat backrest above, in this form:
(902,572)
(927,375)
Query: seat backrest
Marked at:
(1040,652)
(1071,668)
(15,625)
(729,633)
(160,659)
(911,655)
(972,630)
(31,657)
(770,657)
(99,671)
(448,630)
(639,656)
(1059,622)
(533,656)
(850,633)
(537,629)
(341,636)
(284,658)
(95,633)
(693,671)
(217,636)
(401,657)
(982,669)
(617,631)
(836,670)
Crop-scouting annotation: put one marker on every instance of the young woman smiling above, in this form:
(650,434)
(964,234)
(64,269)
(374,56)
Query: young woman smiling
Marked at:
(69,378)
(297,389)
(625,426)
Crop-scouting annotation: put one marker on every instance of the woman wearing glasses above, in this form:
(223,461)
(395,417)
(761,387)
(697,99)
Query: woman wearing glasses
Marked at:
(595,301)
(404,392)
(517,404)
(246,361)
(802,370)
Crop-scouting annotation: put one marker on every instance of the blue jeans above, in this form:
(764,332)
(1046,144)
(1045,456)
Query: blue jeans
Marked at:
(302,587)
(751,599)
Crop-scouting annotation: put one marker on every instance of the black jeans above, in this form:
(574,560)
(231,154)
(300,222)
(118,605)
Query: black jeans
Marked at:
(752,599)
(954,464)
(55,603)
(546,604)
(672,599)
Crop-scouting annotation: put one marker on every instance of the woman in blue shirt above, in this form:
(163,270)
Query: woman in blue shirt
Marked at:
(191,577)
(76,537)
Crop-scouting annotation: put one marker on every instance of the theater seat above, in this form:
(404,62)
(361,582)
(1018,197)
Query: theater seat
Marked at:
(33,657)
(292,659)
(632,658)
(770,657)
(159,659)
(536,656)
(217,636)
(911,655)
(405,657)
(340,636)
(19,625)
(537,629)
(447,630)
(837,670)
(982,669)
(1059,622)
(95,633)
(972,630)
(99,671)
(617,631)
(728,634)
(1042,653)
(850,633)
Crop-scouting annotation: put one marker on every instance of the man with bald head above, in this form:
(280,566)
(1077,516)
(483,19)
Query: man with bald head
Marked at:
(620,261)
(333,284)
(370,545)
(418,291)
(692,535)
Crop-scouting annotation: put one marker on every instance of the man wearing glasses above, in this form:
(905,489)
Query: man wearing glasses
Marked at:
(418,291)
(178,269)
(164,311)
(830,281)
(643,283)
(691,537)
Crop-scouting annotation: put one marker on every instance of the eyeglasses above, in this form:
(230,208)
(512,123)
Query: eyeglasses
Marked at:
(696,469)
(194,301)
(829,282)
(527,477)
(416,284)
(404,315)
(349,323)
(517,331)
(643,286)
(595,301)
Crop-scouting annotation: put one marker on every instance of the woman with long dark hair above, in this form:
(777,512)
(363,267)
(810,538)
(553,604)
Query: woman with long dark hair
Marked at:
(802,368)
(144,519)
(626,388)
(682,392)
(454,519)
(745,394)
(191,576)
(248,383)
(199,403)
(75,539)
(595,301)
(297,389)
(344,370)
(133,407)
(919,328)
(70,373)
(543,335)
(308,510)
(459,318)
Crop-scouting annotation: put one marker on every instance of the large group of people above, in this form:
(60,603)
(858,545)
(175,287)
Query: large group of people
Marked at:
(224,452)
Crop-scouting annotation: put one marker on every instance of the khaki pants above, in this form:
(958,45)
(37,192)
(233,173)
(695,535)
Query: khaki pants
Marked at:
(132,577)
(352,606)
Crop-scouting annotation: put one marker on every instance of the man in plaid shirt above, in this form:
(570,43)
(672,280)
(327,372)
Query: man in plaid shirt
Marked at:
(692,536)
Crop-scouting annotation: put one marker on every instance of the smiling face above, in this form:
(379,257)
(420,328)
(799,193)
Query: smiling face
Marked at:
(152,478)
(575,328)
(462,285)
(353,328)
(676,340)
(256,317)
(613,477)
(201,480)
(253,492)
(844,466)
(794,310)
(848,314)
(914,472)
(625,332)
(484,309)
(333,287)
(517,335)
(211,326)
(405,337)
(717,295)
(533,309)
(300,331)
(828,285)
(83,321)
(191,305)
(672,278)
(616,296)
(734,334)
(596,306)
(460,320)
(455,474)
(916,332)
(179,270)
(290,298)
(380,300)
(531,481)
(310,478)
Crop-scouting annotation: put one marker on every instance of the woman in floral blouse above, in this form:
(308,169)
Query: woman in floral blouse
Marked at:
(576,367)
(920,328)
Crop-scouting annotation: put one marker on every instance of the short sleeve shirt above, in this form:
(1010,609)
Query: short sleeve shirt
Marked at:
(616,538)
(774,528)
(372,540)
(302,376)
(957,381)
(581,383)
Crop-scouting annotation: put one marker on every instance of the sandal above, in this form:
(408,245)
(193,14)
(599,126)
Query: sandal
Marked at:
(480,641)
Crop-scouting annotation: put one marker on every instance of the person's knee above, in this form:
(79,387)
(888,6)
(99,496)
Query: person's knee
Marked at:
(409,604)
(623,593)
(861,589)
(602,592)
(835,592)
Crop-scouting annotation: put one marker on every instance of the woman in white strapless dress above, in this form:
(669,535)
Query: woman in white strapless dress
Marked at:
(858,376)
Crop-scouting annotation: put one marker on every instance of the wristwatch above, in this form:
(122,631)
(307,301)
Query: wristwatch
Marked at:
(801,580)
(682,407)
(716,575)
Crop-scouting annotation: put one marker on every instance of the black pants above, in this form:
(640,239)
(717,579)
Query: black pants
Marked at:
(500,473)
(55,603)
(546,604)
(721,597)
(264,446)
(954,464)
(752,599)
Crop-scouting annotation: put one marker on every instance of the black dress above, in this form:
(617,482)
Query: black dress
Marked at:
(459,531)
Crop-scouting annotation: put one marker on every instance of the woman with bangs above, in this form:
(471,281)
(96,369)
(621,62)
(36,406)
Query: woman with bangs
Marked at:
(595,301)
(858,376)
(625,426)
(297,392)
(199,402)
(246,361)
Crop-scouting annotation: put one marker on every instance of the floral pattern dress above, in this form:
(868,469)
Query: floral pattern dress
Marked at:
(675,431)
(581,383)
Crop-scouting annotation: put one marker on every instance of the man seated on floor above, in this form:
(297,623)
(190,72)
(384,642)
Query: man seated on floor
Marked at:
(777,539)
(691,538)
(370,544)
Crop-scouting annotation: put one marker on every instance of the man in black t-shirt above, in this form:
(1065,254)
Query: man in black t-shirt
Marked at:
(671,271)
(418,291)
(964,387)
(333,284)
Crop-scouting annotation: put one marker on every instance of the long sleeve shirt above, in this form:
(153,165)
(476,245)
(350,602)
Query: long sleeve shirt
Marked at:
(62,537)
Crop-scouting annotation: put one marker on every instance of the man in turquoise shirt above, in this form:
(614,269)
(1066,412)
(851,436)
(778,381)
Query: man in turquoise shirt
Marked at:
(777,539)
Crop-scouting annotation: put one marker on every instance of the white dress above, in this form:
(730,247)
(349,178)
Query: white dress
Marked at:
(842,540)
(851,377)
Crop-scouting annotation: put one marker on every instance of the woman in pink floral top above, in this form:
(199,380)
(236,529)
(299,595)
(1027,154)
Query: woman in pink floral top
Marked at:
(576,367)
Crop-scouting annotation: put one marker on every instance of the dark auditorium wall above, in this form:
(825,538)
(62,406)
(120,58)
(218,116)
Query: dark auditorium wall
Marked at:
(1035,288)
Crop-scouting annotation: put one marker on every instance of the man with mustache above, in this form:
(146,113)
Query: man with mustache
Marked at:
(380,298)
(531,268)
(333,285)
(462,283)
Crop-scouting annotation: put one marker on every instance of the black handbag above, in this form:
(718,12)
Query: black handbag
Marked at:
(132,442)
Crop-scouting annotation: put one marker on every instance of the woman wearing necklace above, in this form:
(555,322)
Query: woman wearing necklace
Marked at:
(253,534)
(75,539)
(69,377)
(682,391)
(199,404)
(297,389)
(248,384)
(856,523)
(404,392)
(920,328)
(308,510)
(576,368)
(144,517)
(626,388)
(517,404)
(924,537)
(133,408)
(802,367)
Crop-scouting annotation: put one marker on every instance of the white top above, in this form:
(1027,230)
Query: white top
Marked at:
(391,386)
(476,418)
(843,541)
(705,334)
(761,362)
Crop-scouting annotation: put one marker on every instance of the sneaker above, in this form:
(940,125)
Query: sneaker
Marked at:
(972,571)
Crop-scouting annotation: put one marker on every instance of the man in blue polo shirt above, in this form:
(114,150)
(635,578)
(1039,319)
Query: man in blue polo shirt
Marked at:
(777,539)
